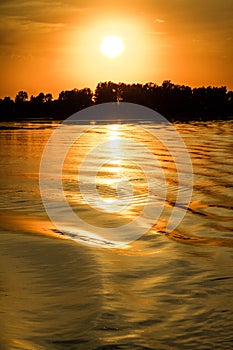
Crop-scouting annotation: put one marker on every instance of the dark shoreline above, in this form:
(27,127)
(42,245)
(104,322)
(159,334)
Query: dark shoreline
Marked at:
(175,102)
(59,120)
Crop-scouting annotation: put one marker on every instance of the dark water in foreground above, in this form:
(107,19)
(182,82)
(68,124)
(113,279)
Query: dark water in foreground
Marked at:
(161,292)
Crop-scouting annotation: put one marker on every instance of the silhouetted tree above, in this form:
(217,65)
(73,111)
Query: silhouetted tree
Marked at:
(7,107)
(71,101)
(21,96)
(175,102)
(22,104)
(230,103)
(106,92)
(48,97)
(210,102)
(132,93)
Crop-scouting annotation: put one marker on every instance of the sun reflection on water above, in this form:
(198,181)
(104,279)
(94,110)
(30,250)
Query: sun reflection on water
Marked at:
(117,178)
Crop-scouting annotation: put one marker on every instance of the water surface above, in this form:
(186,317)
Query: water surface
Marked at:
(163,291)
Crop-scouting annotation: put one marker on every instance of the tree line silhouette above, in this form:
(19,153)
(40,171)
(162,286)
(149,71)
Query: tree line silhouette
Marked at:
(175,102)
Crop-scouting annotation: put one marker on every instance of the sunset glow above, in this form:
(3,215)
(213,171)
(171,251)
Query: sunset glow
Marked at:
(50,48)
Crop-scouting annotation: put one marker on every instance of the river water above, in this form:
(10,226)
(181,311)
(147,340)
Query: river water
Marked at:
(65,289)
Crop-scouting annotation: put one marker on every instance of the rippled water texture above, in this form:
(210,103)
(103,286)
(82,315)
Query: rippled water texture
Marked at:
(71,289)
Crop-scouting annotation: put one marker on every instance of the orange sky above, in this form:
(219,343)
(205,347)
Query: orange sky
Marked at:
(51,46)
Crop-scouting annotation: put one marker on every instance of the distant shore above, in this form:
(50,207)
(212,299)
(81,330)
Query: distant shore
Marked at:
(175,102)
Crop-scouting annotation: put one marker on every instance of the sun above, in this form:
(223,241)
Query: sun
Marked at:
(112,46)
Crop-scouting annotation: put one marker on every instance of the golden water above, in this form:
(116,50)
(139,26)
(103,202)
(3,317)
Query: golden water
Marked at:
(163,291)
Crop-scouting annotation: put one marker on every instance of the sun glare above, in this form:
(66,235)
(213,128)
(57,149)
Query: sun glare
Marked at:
(108,48)
(112,46)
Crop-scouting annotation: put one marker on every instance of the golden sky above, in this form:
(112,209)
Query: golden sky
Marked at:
(51,46)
